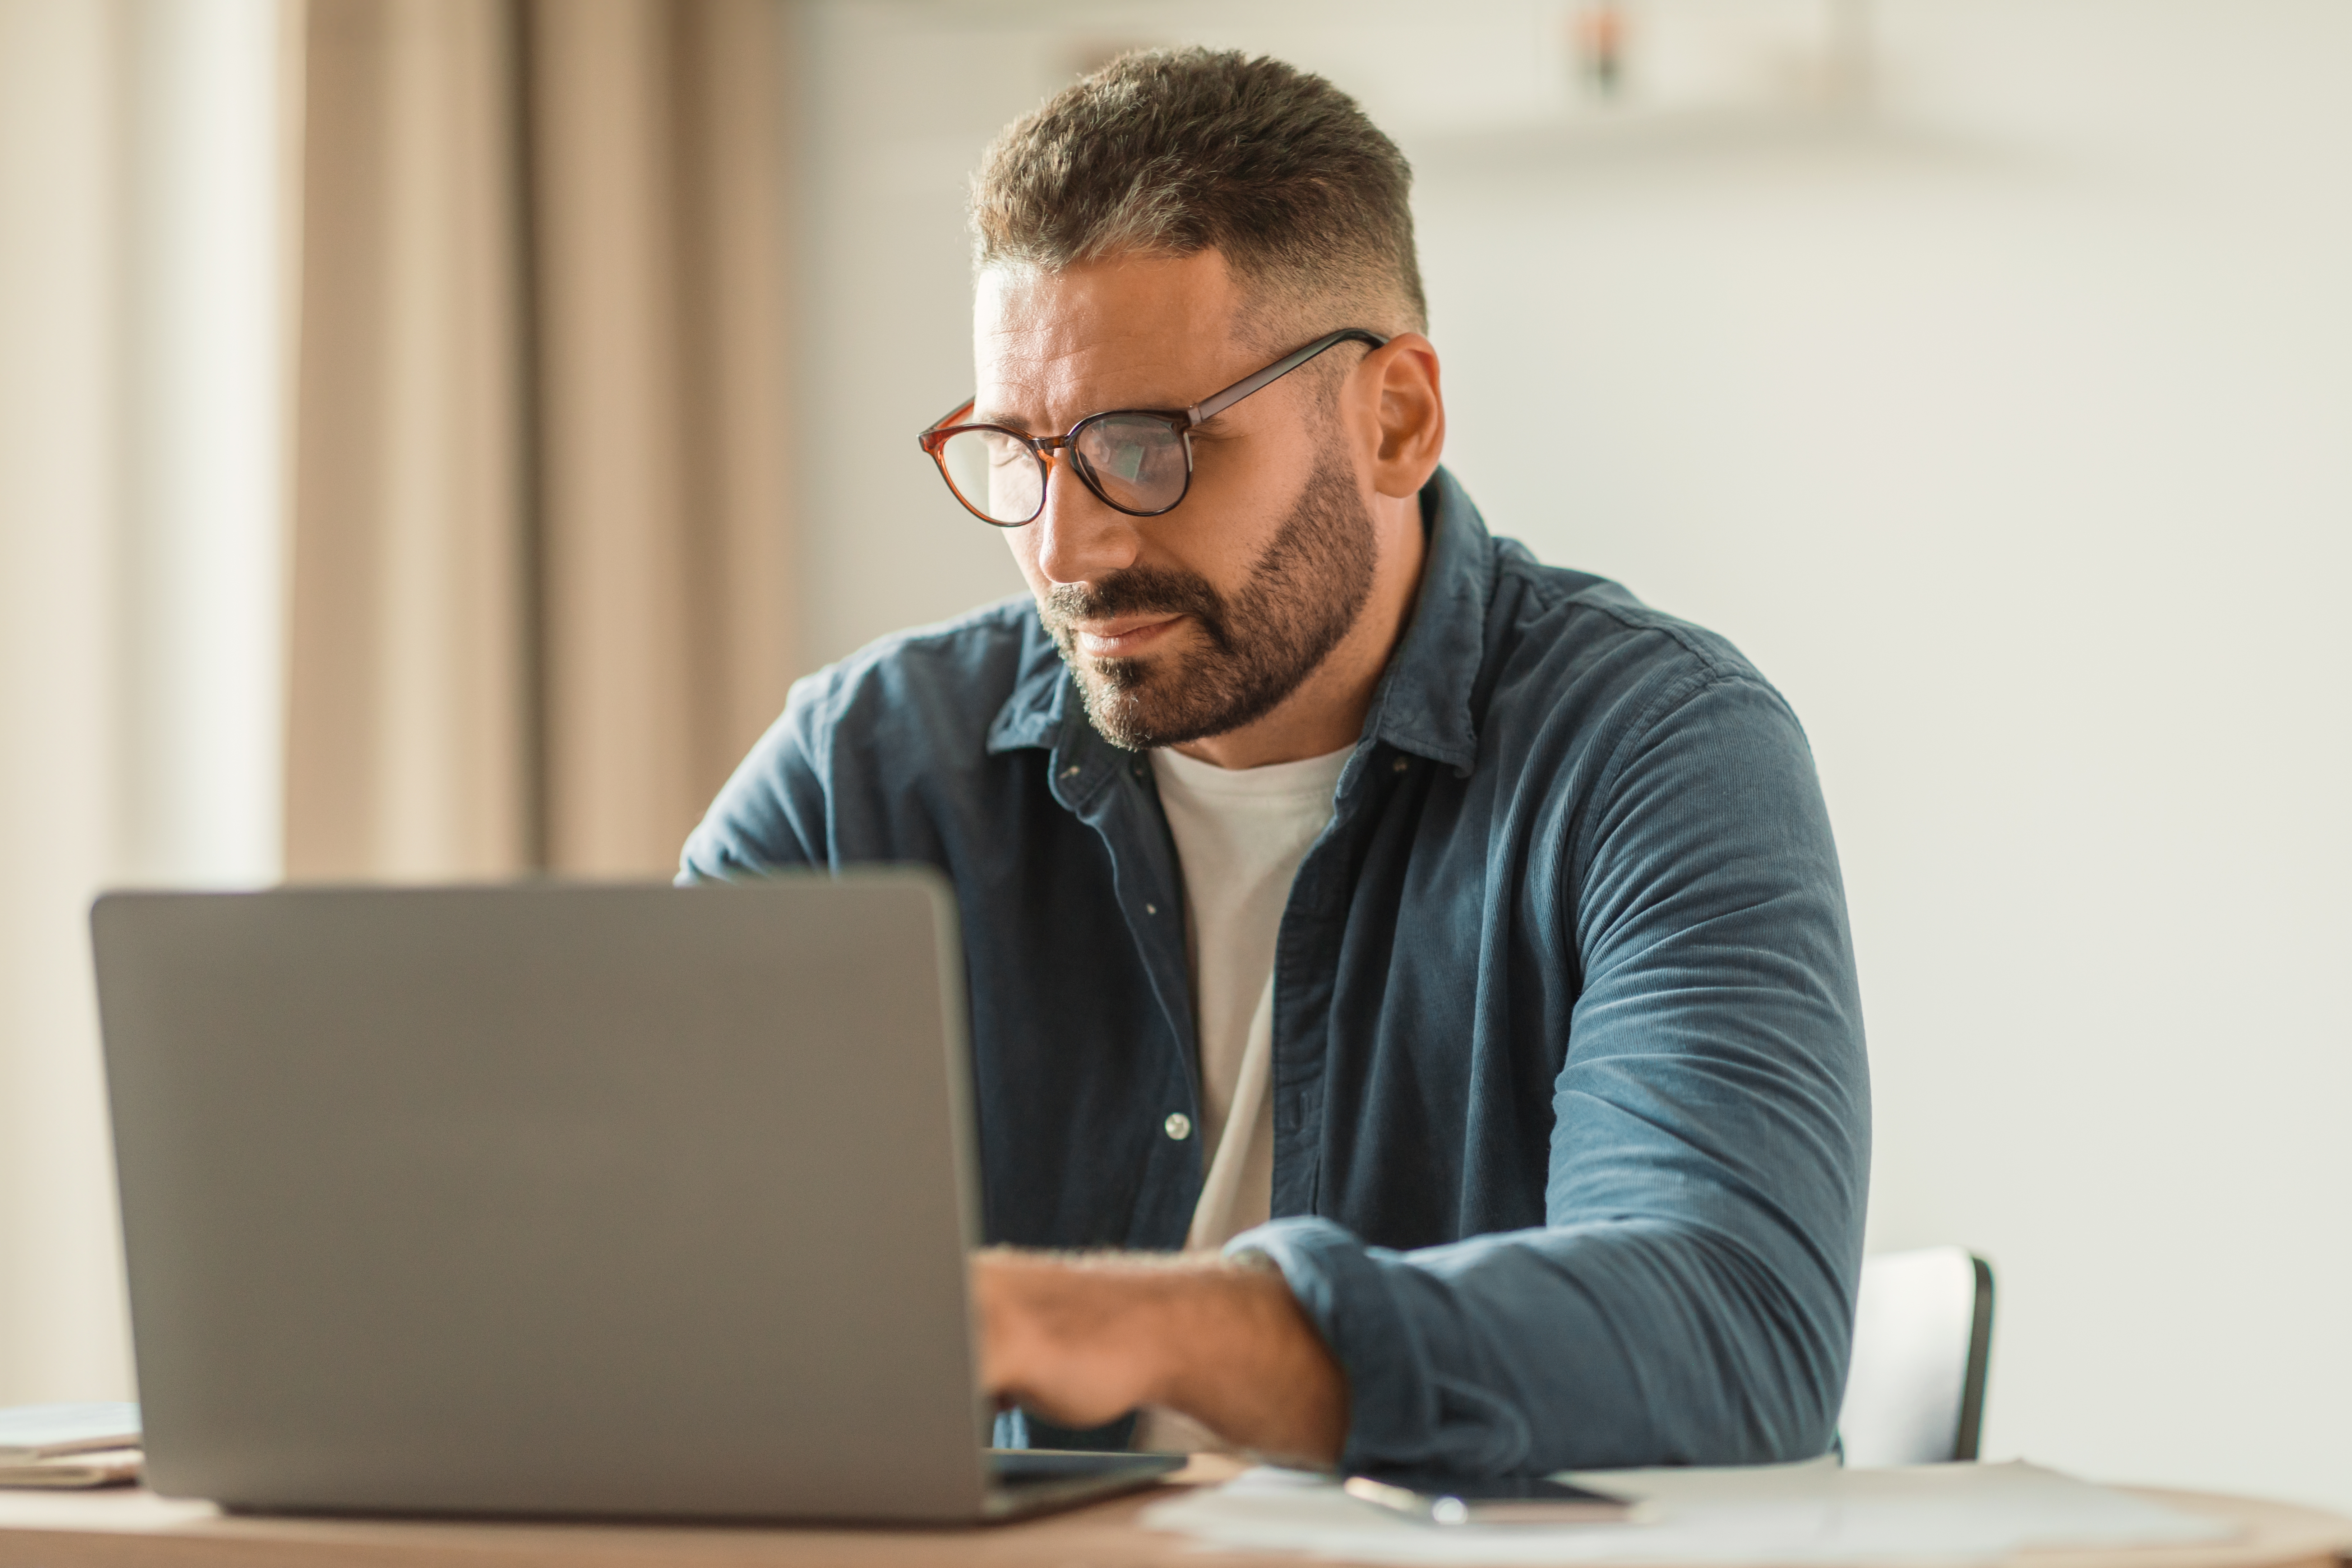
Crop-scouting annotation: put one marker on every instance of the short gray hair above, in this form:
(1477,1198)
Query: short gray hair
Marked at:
(1172,151)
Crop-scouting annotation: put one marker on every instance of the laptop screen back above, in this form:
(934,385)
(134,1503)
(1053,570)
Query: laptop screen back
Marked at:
(619,1200)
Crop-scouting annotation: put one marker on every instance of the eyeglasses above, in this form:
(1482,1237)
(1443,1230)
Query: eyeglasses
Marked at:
(1138,460)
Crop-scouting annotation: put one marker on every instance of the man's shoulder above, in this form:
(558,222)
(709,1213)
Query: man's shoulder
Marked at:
(1581,658)
(864,731)
(1566,619)
(945,678)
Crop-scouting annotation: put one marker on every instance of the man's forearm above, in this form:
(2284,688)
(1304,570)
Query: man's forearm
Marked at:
(1081,1339)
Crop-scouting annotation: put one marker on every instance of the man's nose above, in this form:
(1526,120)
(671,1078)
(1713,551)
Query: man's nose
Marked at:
(1079,539)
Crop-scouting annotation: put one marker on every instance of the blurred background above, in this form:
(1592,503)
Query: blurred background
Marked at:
(434,433)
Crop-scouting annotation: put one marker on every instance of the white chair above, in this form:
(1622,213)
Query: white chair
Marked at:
(1922,1328)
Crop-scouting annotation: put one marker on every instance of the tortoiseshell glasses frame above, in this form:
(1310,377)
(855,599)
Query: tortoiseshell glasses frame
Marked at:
(1136,460)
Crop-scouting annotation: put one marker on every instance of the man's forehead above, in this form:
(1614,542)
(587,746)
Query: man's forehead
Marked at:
(1127,332)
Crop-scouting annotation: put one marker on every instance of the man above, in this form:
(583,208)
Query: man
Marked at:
(1455,940)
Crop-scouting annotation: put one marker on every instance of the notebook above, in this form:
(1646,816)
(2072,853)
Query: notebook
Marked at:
(88,1445)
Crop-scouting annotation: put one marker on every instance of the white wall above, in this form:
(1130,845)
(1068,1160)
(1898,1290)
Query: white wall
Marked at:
(140,466)
(201,579)
(60,1327)
(2006,427)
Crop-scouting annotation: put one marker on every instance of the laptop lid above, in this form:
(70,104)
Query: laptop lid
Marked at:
(603,1199)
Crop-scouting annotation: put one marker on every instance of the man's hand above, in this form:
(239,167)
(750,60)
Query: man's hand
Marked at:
(1081,1339)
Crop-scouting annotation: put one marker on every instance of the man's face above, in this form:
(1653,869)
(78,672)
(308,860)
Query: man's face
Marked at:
(1204,619)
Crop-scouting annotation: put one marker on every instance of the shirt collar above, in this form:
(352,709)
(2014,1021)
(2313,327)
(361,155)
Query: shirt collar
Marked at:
(1031,716)
(1422,703)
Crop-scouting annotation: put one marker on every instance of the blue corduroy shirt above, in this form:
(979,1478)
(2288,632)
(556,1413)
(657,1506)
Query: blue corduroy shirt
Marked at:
(1570,1104)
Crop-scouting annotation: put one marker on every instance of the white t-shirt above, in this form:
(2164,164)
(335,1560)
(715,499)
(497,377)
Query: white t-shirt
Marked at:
(1240,835)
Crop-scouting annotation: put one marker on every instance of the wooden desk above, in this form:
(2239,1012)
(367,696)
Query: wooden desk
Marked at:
(130,1529)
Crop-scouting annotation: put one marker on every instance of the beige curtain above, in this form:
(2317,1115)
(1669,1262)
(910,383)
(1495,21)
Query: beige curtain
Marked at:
(541,562)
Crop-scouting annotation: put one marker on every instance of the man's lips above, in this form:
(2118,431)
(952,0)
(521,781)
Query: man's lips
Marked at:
(1123,638)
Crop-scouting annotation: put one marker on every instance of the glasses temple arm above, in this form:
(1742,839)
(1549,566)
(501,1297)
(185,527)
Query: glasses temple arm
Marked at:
(1215,404)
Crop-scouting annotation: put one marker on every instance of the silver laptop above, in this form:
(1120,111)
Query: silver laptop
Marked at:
(558,1200)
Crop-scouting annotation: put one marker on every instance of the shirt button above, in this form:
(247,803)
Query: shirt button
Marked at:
(1178,1126)
(1401,764)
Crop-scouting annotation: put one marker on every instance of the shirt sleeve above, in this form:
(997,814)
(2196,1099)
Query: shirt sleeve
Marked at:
(1689,1299)
(773,811)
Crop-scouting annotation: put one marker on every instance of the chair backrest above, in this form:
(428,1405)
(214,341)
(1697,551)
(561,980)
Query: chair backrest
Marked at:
(1922,1330)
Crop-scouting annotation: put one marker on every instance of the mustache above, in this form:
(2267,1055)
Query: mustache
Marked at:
(1136,591)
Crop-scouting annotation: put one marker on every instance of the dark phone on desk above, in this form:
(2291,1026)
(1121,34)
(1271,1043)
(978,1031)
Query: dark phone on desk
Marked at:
(1511,1499)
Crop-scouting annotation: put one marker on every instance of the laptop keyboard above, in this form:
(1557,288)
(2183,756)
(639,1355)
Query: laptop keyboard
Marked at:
(1030,1467)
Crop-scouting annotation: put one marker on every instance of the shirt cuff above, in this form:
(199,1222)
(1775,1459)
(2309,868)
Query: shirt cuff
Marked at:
(1348,1297)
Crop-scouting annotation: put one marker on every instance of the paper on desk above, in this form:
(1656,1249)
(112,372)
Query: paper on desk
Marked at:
(1814,1512)
(94,1468)
(44,1431)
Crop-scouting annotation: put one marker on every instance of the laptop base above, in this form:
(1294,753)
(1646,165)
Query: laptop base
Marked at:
(1027,1481)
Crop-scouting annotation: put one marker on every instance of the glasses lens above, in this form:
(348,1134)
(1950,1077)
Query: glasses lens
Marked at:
(997,475)
(1138,461)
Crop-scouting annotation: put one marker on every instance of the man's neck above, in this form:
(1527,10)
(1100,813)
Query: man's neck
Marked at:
(1326,712)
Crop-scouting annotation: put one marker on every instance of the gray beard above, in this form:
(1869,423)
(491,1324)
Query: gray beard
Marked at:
(1303,597)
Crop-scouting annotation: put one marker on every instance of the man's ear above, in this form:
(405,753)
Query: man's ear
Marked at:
(1403,375)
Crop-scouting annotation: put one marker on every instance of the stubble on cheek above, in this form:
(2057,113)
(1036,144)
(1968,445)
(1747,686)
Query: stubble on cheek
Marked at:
(1128,698)
(1239,656)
